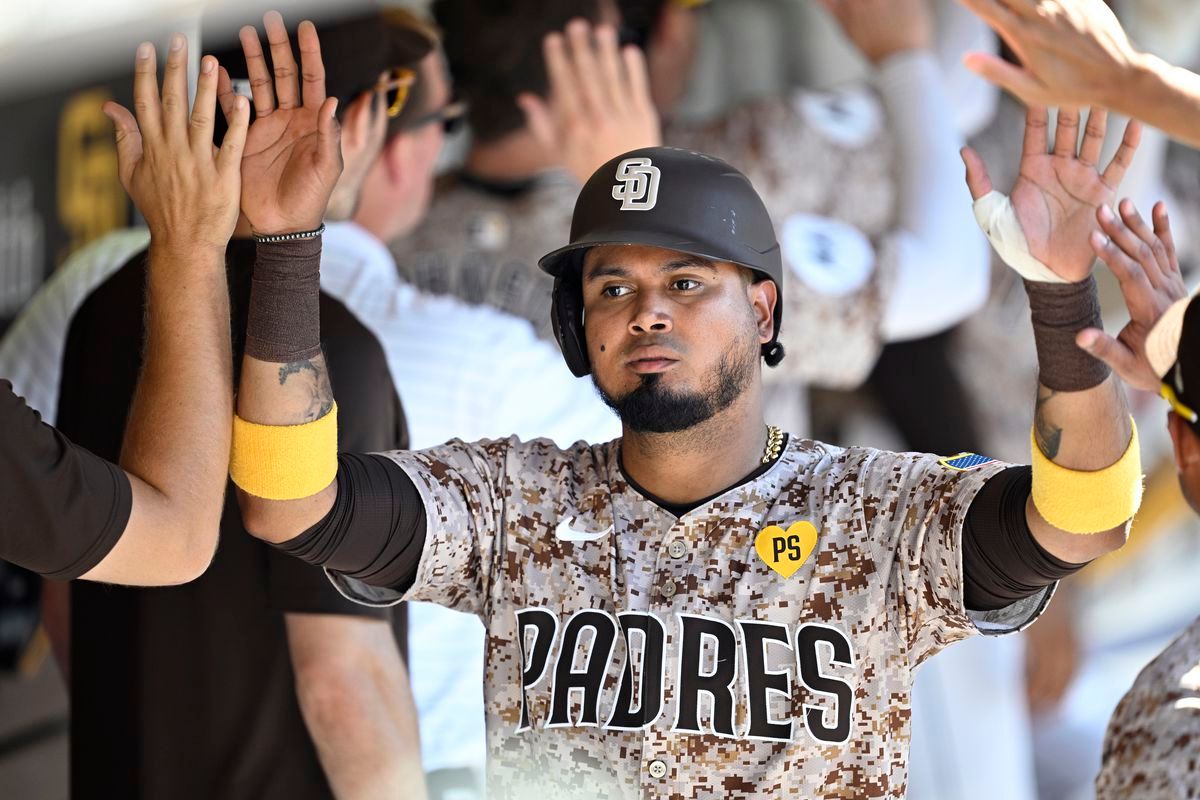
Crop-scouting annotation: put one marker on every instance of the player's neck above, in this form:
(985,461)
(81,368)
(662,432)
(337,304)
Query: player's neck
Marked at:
(699,462)
(516,157)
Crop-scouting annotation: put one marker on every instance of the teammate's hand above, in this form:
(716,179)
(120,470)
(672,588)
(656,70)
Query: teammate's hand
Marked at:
(600,102)
(1057,194)
(1144,261)
(1073,52)
(293,154)
(186,189)
(882,28)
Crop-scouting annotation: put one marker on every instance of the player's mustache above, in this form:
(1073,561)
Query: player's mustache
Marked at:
(654,340)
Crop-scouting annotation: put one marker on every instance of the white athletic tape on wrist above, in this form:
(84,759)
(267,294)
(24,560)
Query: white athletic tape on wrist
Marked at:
(998,219)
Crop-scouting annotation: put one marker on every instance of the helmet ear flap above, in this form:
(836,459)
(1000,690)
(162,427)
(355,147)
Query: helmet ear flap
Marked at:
(566,315)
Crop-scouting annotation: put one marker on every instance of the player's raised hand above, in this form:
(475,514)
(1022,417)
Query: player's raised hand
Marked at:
(599,104)
(293,155)
(1073,52)
(882,28)
(1058,192)
(187,191)
(1144,262)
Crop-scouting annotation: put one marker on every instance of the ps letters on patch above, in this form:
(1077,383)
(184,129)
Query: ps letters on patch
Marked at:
(574,656)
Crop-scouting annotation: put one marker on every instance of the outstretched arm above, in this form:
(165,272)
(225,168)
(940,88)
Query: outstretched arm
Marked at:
(1075,53)
(176,447)
(292,163)
(1081,419)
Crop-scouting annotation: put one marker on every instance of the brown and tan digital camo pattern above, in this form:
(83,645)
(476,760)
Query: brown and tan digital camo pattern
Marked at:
(483,247)
(1150,750)
(881,592)
(843,171)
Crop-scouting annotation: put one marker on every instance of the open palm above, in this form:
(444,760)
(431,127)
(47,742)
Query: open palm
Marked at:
(1057,192)
(292,157)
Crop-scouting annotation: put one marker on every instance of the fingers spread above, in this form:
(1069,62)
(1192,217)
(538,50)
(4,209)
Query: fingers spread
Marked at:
(1162,229)
(612,78)
(1093,136)
(175,89)
(1124,155)
(1066,134)
(225,94)
(145,93)
(229,158)
(582,61)
(329,135)
(129,140)
(287,89)
(564,93)
(1037,126)
(1112,352)
(1133,220)
(1128,272)
(311,66)
(256,69)
(978,180)
(204,109)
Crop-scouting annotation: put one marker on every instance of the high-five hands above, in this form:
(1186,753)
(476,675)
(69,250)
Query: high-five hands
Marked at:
(1073,52)
(1057,193)
(599,103)
(186,189)
(1144,262)
(293,155)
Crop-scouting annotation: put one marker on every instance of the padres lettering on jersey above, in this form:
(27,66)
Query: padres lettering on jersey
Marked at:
(644,671)
(631,653)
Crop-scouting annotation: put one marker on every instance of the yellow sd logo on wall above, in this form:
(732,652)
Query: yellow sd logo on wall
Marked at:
(91,201)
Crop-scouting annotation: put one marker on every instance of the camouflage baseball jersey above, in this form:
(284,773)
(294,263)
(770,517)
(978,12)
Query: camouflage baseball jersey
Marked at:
(1150,750)
(483,247)
(760,646)
(824,168)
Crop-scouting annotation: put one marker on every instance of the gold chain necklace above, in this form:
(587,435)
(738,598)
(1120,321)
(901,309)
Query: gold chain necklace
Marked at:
(774,444)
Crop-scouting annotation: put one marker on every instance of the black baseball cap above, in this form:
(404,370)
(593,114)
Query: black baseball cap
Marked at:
(1173,350)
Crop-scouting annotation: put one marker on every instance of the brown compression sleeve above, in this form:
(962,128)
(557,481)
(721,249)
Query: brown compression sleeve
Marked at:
(1002,561)
(1059,311)
(375,531)
(284,323)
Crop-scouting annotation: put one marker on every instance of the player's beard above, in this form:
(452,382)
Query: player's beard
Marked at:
(652,407)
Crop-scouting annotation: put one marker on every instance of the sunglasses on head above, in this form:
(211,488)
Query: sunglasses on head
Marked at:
(396,87)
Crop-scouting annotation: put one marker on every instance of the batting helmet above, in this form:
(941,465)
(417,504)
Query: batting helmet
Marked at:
(669,198)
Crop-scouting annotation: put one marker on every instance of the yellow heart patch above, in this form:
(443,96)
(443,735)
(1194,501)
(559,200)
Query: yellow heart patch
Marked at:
(785,551)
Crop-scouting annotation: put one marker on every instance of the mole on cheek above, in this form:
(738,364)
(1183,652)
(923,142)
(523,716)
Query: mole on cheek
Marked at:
(601,348)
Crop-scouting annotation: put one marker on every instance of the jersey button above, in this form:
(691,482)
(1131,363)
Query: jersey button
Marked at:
(668,589)
(658,768)
(677,549)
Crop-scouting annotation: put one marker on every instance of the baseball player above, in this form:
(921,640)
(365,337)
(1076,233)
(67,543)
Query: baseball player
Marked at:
(705,607)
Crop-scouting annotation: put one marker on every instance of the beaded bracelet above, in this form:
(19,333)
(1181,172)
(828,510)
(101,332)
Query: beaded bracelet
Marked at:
(290,237)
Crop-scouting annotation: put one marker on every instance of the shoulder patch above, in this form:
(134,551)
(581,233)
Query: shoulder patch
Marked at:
(965,461)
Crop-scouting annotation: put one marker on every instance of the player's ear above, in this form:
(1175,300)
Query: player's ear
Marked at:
(763,295)
(397,158)
(1186,442)
(362,114)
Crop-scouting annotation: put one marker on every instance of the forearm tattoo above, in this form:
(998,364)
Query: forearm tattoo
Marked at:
(315,379)
(1046,433)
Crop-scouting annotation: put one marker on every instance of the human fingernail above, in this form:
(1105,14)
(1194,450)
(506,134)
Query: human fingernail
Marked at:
(144,50)
(1106,213)
(1099,239)
(1087,340)
(208,64)
(176,41)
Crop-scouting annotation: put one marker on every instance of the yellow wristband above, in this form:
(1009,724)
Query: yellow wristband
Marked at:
(284,462)
(1088,502)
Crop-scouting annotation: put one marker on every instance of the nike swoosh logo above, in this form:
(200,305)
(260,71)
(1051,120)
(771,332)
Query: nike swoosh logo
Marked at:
(565,533)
